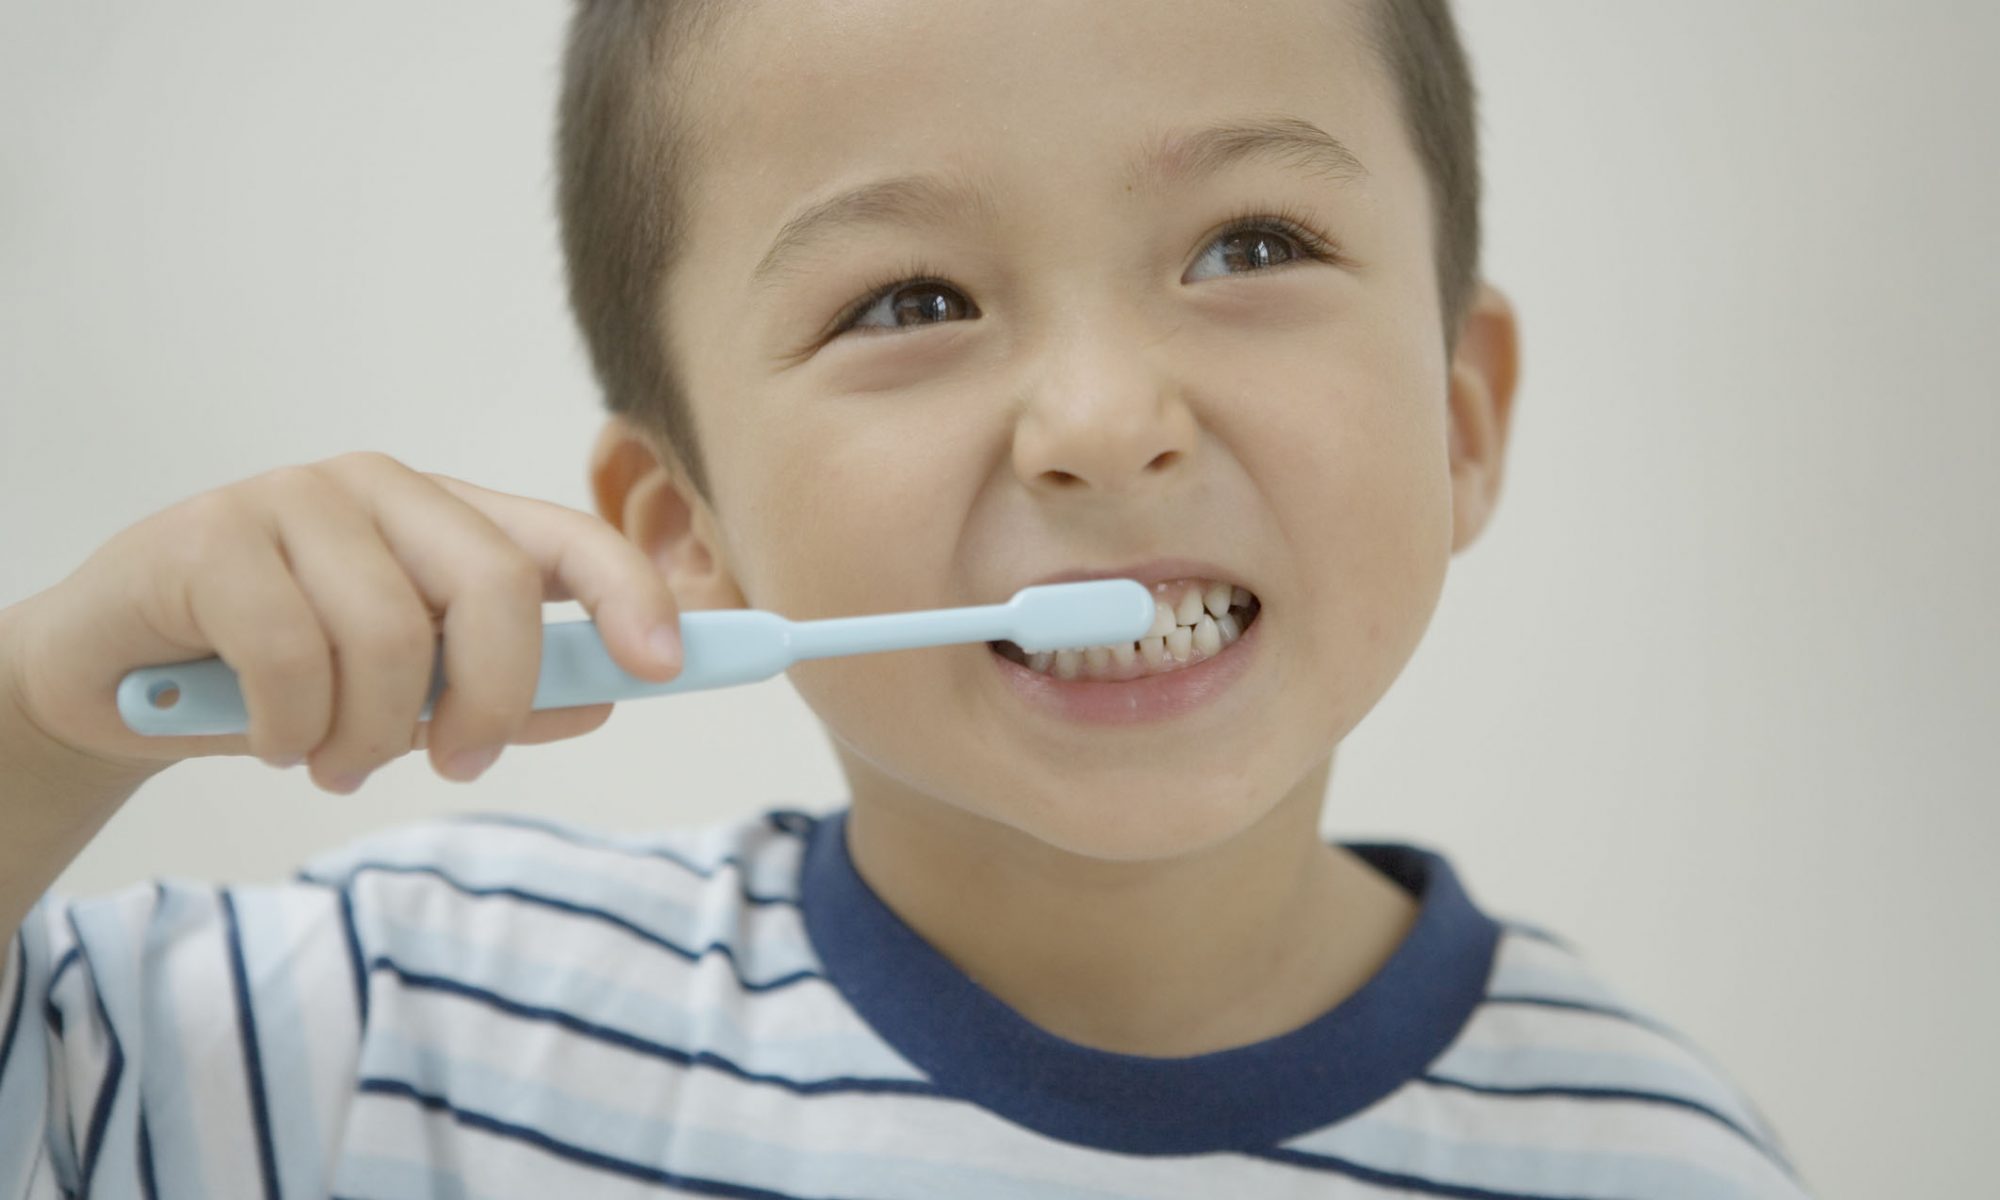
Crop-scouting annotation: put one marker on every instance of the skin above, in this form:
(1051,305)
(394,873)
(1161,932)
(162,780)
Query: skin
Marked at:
(1108,383)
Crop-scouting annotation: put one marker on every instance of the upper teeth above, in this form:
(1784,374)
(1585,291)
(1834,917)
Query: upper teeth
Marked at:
(1191,619)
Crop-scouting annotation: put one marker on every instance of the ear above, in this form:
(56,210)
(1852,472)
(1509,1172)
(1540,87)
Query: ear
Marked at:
(644,494)
(1484,370)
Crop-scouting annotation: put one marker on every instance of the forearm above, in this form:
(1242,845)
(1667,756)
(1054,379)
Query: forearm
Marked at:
(53,800)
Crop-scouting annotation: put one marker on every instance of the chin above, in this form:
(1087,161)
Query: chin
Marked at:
(1136,823)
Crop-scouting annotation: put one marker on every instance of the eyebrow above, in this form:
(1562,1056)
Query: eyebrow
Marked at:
(1163,161)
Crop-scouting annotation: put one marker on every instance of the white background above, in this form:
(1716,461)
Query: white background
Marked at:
(1715,697)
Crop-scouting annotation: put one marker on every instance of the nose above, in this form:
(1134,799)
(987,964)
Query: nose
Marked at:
(1105,416)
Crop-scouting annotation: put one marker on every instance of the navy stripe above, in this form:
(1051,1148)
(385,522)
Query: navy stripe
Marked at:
(1651,1025)
(148,1183)
(63,964)
(794,821)
(1604,1093)
(253,1061)
(577,910)
(354,960)
(1602,1010)
(100,1116)
(633,1042)
(1773,1144)
(1537,932)
(577,838)
(1411,1183)
(14,1009)
(357,968)
(561,1149)
(50,1012)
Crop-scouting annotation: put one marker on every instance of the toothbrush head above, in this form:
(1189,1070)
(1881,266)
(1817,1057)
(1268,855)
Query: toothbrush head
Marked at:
(1095,612)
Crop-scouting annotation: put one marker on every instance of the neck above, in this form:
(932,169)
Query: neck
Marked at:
(1230,945)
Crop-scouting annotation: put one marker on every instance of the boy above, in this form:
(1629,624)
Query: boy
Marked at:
(1215,324)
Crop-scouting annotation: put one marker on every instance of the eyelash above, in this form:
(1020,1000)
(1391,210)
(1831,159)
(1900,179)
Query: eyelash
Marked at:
(1284,220)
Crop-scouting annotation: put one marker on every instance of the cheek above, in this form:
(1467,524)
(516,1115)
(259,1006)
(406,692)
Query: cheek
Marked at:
(1354,472)
(904,712)
(845,524)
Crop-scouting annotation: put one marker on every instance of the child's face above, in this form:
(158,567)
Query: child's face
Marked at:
(1099,380)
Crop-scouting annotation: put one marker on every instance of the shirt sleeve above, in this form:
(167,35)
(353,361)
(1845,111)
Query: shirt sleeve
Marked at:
(178,1039)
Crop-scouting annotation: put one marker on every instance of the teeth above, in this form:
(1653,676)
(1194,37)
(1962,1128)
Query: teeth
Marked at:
(1216,600)
(1192,621)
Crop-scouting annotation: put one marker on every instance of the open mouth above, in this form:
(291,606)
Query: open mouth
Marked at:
(1193,621)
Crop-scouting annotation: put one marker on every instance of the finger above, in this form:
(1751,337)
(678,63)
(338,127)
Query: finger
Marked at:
(584,558)
(546,725)
(249,607)
(489,591)
(384,635)
(555,724)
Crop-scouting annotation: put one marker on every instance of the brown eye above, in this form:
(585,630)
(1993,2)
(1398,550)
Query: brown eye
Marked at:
(907,303)
(1258,247)
(1260,243)
(925,305)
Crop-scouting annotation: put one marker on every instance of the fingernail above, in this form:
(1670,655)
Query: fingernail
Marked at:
(285,763)
(466,765)
(665,643)
(347,785)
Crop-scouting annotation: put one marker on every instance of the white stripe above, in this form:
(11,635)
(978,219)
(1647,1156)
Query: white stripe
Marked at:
(181,920)
(113,930)
(24,1085)
(302,989)
(722,1127)
(213,1049)
(765,860)
(394,1140)
(1552,1146)
(1526,966)
(769,941)
(802,1032)
(1515,1046)
(768,860)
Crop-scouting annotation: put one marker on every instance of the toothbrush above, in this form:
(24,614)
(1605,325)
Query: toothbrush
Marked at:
(720,648)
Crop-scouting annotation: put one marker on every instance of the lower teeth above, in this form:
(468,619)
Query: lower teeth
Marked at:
(1177,649)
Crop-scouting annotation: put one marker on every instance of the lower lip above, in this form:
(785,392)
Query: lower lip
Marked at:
(1135,701)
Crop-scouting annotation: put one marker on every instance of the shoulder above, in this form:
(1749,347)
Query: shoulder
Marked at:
(1553,1036)
(542,887)
(502,849)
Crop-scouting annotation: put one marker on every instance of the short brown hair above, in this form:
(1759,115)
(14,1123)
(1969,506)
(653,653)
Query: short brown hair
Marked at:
(625,149)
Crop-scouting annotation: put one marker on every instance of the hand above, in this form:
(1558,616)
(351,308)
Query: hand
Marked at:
(325,586)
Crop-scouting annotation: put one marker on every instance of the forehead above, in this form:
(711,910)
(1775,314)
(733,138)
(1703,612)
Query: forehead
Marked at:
(1052,102)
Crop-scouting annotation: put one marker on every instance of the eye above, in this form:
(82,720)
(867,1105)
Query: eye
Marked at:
(912,296)
(916,295)
(1267,241)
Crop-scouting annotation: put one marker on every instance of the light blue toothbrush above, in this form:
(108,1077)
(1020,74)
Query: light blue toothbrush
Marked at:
(721,648)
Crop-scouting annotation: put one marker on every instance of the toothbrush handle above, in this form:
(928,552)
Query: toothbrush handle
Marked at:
(829,636)
(719,649)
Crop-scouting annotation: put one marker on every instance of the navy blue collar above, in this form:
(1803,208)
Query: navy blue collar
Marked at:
(973,1046)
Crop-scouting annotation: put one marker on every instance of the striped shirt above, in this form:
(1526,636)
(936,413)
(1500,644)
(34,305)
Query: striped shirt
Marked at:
(498,1006)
